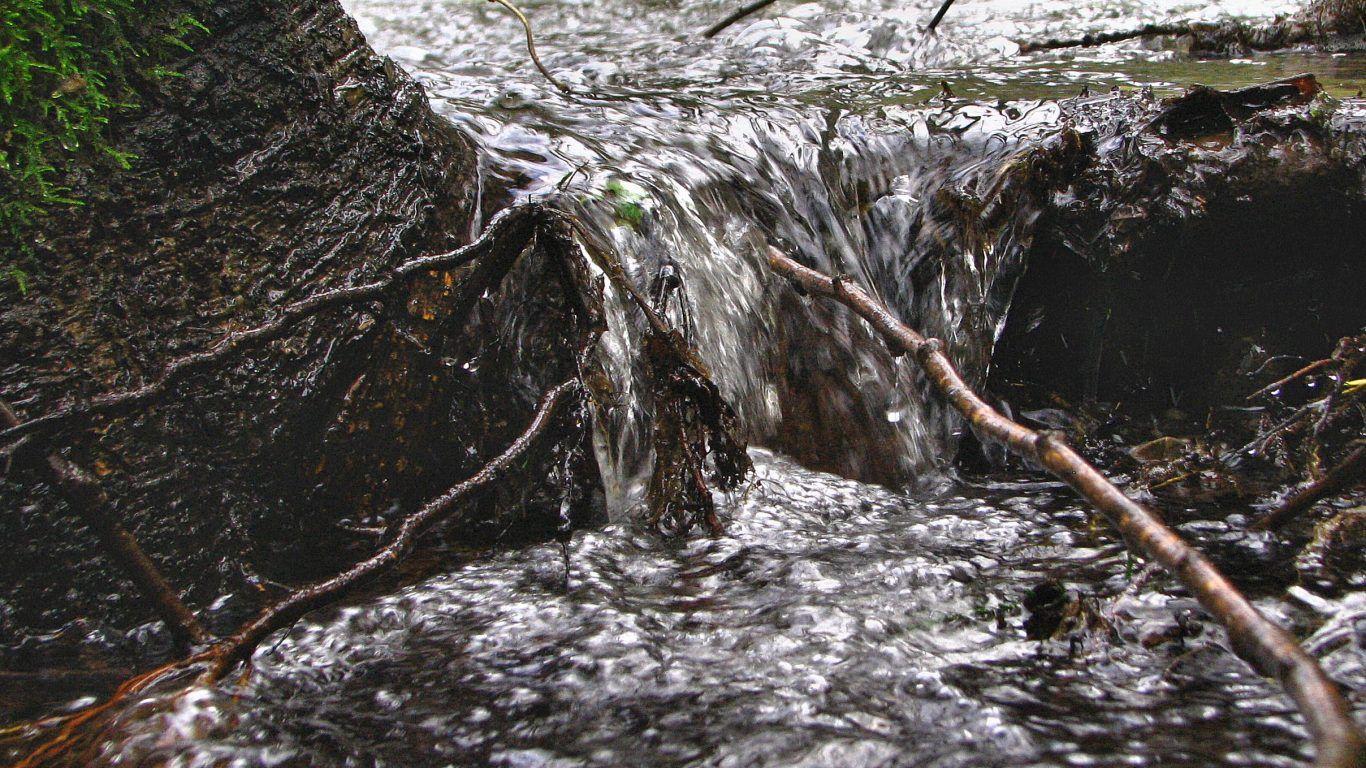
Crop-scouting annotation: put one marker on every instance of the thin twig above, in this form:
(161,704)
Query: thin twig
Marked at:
(1343,477)
(505,223)
(91,504)
(440,510)
(1262,643)
(531,47)
(740,13)
(1301,373)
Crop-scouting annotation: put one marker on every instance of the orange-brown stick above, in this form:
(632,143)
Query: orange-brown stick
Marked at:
(1263,644)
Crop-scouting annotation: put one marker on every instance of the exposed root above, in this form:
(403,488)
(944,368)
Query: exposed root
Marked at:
(1268,647)
(509,223)
(84,727)
(89,501)
(439,511)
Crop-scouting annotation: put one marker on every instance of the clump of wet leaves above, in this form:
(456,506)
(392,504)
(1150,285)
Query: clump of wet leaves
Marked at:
(693,427)
(1055,612)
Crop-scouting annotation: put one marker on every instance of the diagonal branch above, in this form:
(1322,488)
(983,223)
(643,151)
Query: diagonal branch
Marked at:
(512,223)
(440,510)
(1263,644)
(736,15)
(89,501)
(1343,477)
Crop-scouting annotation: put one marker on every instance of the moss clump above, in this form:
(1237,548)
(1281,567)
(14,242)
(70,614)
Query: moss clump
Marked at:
(65,67)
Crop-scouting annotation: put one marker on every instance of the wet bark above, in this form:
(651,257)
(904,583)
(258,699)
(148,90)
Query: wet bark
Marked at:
(287,161)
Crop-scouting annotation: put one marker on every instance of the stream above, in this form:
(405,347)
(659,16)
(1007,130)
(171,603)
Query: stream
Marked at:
(835,622)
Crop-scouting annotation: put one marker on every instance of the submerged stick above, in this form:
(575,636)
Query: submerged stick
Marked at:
(508,223)
(739,13)
(1343,477)
(1266,646)
(442,509)
(91,504)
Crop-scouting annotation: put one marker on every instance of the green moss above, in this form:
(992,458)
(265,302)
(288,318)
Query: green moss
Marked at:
(65,67)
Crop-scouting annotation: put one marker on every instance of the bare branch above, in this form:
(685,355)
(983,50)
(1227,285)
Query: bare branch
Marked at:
(739,13)
(440,510)
(1266,646)
(1343,477)
(531,47)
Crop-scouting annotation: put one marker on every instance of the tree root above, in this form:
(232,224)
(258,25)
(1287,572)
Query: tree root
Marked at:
(505,224)
(91,504)
(222,657)
(438,511)
(1269,648)
(695,419)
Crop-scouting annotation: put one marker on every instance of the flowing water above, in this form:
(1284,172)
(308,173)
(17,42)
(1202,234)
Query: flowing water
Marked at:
(835,623)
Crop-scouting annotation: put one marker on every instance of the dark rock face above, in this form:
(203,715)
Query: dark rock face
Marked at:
(1189,233)
(289,159)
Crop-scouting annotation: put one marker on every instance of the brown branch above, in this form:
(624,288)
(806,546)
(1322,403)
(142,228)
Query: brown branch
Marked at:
(1278,383)
(1343,477)
(1104,38)
(91,504)
(739,13)
(1266,646)
(510,222)
(442,509)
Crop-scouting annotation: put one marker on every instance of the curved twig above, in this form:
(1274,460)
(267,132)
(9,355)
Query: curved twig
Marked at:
(531,47)
(504,224)
(1269,648)
(442,509)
